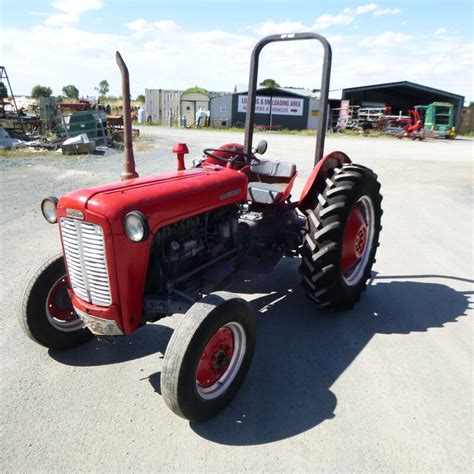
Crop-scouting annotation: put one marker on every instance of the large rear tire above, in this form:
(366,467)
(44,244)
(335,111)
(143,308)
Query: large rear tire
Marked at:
(46,314)
(208,356)
(342,238)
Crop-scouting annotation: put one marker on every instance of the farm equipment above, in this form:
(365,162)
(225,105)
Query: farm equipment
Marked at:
(438,119)
(413,127)
(139,250)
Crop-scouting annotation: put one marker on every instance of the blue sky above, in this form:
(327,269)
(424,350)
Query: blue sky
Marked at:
(208,43)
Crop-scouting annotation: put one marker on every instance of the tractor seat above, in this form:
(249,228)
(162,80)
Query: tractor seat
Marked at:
(265,193)
(268,193)
(278,169)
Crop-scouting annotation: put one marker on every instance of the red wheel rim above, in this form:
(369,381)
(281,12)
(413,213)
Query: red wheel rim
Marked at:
(215,358)
(59,304)
(355,239)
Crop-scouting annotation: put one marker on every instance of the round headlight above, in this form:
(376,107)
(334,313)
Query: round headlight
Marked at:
(49,209)
(136,226)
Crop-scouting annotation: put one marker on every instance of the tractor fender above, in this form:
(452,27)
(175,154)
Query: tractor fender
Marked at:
(316,182)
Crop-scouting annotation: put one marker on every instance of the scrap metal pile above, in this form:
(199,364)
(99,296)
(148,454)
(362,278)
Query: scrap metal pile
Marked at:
(72,127)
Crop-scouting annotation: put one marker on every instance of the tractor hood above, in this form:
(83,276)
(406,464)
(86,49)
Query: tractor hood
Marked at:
(163,199)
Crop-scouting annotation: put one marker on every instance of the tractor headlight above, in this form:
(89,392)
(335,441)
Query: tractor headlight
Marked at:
(136,226)
(49,209)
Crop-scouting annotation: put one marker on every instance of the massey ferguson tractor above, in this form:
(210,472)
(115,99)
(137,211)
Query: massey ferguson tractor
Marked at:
(144,248)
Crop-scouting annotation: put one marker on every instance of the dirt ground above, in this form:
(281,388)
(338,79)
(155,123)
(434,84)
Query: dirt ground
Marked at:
(386,387)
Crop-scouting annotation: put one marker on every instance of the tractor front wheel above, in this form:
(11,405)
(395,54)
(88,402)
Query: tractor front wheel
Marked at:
(47,315)
(208,356)
(342,238)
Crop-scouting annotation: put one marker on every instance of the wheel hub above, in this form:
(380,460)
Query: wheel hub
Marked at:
(59,304)
(355,238)
(360,241)
(215,358)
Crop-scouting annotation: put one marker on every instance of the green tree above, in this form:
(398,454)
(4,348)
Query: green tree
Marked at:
(196,89)
(71,92)
(141,98)
(103,88)
(269,83)
(3,96)
(3,91)
(41,91)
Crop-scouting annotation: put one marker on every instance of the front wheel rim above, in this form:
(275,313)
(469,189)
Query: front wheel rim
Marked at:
(358,241)
(221,360)
(59,309)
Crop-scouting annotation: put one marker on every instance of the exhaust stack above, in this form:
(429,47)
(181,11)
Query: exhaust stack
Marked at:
(129,161)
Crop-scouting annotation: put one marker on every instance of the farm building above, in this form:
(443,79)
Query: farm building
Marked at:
(162,105)
(402,96)
(275,108)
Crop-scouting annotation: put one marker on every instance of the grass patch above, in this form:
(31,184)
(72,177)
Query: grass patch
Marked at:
(25,152)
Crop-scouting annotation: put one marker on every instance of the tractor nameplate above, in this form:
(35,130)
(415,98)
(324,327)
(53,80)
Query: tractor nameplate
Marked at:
(229,194)
(75,214)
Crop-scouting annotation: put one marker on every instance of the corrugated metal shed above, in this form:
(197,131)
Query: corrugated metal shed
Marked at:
(401,96)
(161,104)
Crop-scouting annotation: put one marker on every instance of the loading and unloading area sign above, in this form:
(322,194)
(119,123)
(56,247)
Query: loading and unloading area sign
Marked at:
(273,105)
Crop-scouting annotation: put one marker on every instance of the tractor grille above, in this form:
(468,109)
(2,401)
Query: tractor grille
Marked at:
(84,250)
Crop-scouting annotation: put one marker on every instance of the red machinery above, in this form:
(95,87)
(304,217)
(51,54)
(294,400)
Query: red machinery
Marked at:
(414,128)
(80,105)
(145,248)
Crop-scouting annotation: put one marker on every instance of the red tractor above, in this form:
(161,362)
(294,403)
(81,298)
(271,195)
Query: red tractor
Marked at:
(139,250)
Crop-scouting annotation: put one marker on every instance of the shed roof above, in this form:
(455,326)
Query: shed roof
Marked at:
(403,84)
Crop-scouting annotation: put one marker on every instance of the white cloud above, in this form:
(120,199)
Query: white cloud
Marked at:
(441,31)
(346,17)
(386,39)
(326,20)
(386,11)
(141,28)
(62,20)
(365,8)
(77,6)
(171,56)
(272,28)
(70,12)
(166,25)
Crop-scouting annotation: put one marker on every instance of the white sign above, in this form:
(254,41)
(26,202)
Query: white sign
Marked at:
(274,105)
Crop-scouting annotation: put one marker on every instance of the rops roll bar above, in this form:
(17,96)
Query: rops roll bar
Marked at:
(323,102)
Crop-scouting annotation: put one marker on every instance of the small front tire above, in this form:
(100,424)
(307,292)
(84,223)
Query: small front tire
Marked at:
(47,315)
(208,356)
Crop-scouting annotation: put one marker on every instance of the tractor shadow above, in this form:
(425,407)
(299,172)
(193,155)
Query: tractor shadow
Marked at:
(147,340)
(301,351)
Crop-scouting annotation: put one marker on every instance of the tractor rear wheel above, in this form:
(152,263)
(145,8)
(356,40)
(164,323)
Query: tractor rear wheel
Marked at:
(342,236)
(47,315)
(208,356)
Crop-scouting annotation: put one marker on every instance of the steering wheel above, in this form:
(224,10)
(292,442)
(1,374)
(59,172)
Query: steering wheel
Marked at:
(247,159)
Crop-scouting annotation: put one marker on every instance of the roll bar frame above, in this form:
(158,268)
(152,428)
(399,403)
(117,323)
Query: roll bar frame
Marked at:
(324,95)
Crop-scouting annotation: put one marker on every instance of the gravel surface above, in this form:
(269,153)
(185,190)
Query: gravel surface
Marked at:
(384,387)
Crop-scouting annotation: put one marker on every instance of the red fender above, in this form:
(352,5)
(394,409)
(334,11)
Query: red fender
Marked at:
(316,182)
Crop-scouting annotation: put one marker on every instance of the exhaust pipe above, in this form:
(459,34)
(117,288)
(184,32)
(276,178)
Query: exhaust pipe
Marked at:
(128,161)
